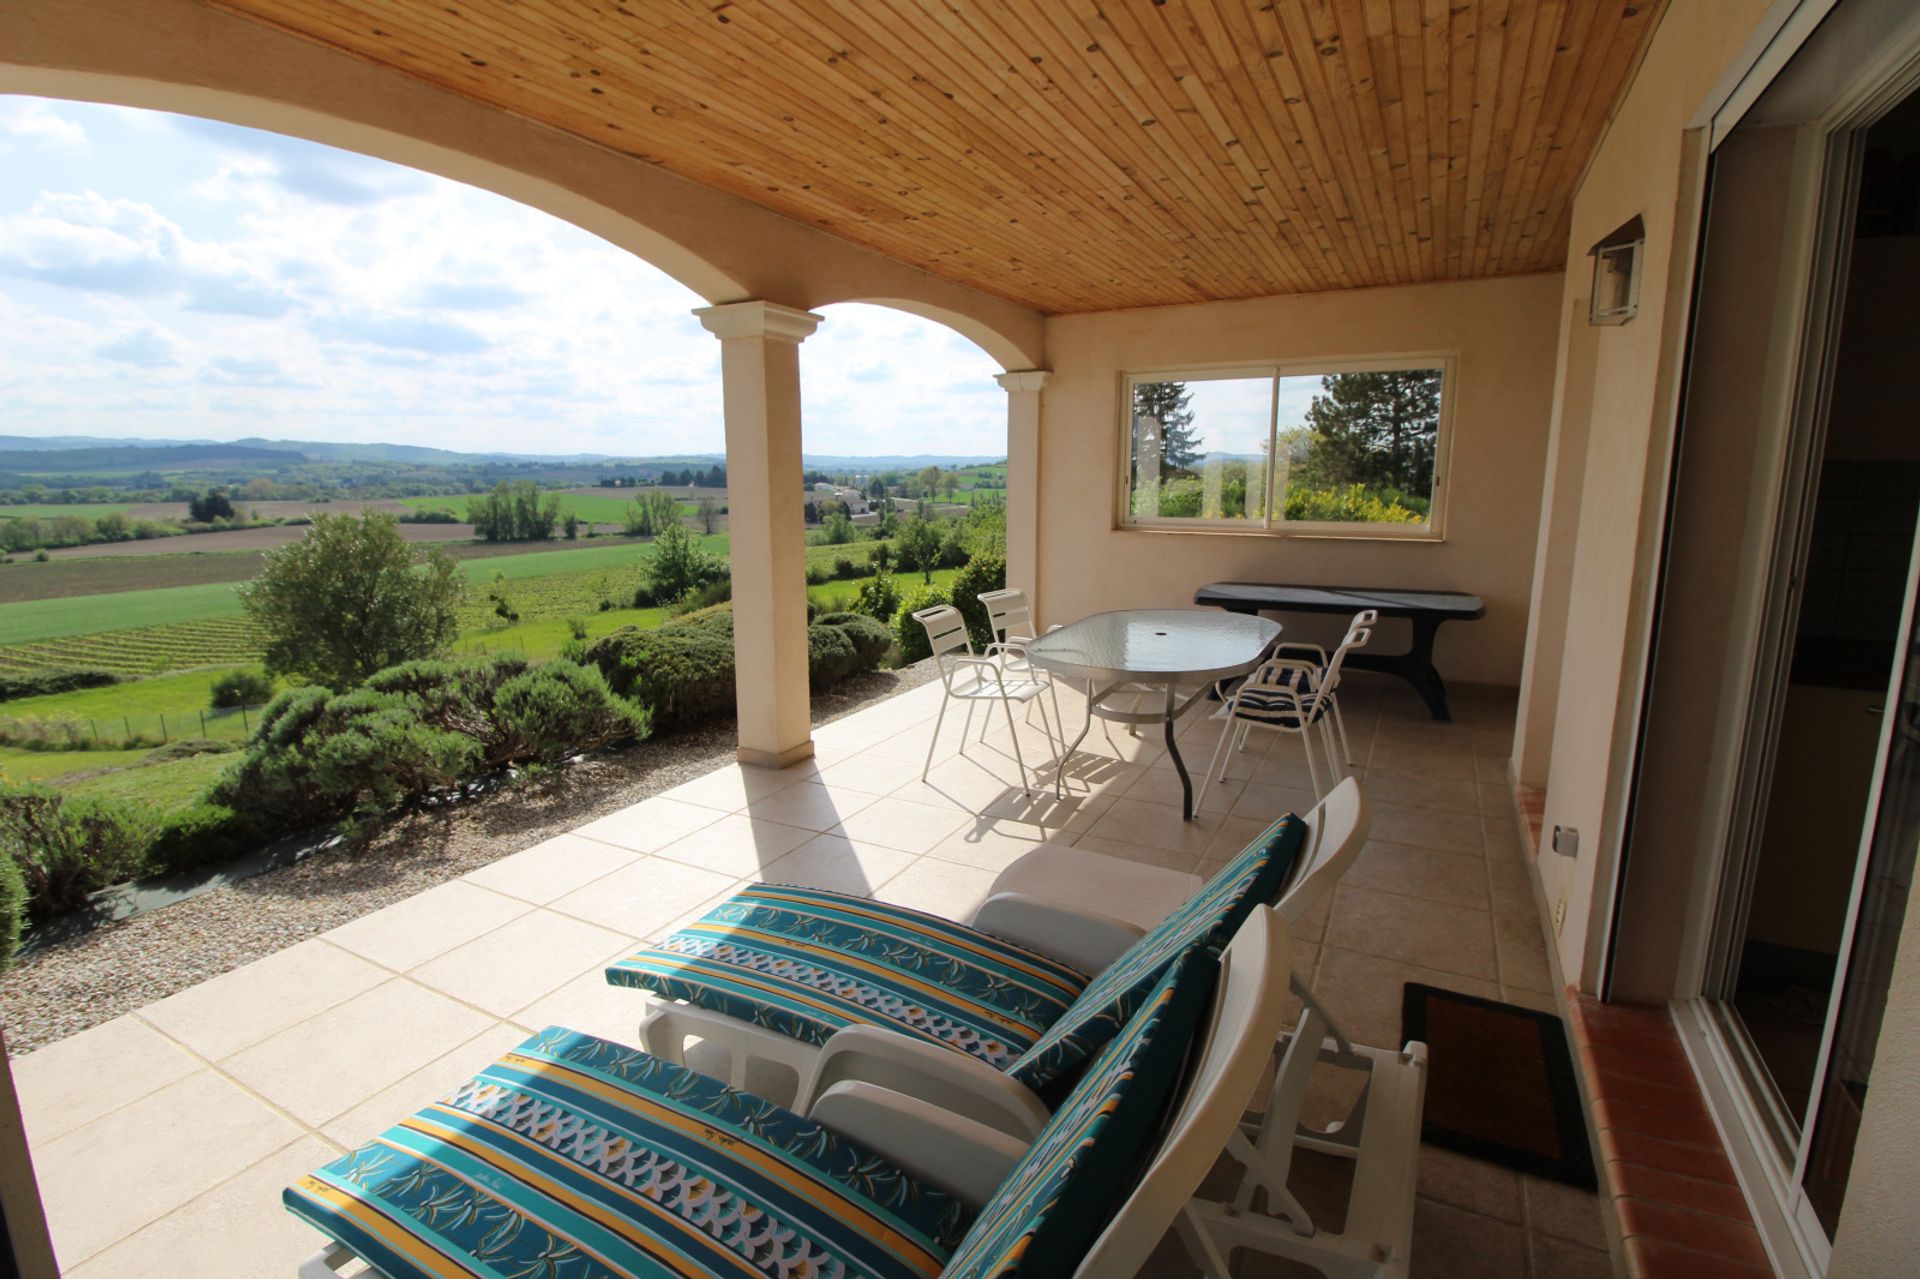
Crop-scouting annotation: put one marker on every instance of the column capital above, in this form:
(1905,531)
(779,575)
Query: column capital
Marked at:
(758,320)
(1023,379)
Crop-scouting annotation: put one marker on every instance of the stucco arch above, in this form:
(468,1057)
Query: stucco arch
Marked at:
(179,55)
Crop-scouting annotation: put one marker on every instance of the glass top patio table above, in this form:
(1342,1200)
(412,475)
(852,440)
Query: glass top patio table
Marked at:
(1146,649)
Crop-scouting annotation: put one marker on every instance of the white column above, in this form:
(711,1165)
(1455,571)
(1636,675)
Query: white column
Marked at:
(760,380)
(1023,479)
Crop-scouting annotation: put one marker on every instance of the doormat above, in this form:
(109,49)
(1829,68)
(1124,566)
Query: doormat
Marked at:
(1500,1084)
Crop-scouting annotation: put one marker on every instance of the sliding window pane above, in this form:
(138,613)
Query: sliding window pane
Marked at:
(1359,448)
(1199,450)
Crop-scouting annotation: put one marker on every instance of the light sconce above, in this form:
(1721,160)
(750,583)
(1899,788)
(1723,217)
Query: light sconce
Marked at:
(1616,274)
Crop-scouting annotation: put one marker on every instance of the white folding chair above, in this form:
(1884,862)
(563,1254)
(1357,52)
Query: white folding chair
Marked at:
(1010,619)
(968,677)
(1289,695)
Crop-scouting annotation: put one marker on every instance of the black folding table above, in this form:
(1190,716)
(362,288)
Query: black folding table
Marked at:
(1425,609)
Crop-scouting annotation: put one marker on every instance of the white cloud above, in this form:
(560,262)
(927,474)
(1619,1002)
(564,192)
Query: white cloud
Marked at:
(146,347)
(32,122)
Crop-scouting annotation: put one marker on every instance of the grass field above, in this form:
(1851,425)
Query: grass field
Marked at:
(591,507)
(50,510)
(166,706)
(26,622)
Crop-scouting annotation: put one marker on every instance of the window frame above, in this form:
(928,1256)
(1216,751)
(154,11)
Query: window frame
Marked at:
(1276,524)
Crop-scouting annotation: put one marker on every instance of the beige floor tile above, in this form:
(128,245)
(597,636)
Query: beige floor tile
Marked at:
(1473,1184)
(237,1228)
(1068,813)
(736,845)
(1264,803)
(1171,859)
(839,864)
(1363,992)
(940,888)
(639,900)
(325,1065)
(552,868)
(410,932)
(513,965)
(874,774)
(1162,786)
(1564,1212)
(1538,1000)
(1155,826)
(1451,939)
(649,824)
(1523,955)
(106,1179)
(991,844)
(1312,926)
(730,789)
(810,805)
(380,1110)
(591,1005)
(1414,790)
(1453,878)
(1428,828)
(84,1076)
(901,824)
(1449,1243)
(224,1014)
(1455,761)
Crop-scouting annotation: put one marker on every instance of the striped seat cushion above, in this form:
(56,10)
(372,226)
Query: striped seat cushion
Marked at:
(806,962)
(574,1158)
(1058,1199)
(1277,703)
(1209,918)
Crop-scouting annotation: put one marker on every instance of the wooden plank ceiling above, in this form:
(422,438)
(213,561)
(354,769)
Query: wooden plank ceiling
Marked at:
(1072,155)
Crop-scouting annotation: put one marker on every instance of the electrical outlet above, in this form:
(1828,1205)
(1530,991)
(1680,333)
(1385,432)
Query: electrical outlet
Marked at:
(1560,915)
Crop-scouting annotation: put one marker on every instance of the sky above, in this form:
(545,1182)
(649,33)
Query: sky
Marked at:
(168,277)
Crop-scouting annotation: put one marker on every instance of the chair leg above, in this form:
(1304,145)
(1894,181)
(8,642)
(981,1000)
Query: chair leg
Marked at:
(1214,766)
(1007,706)
(968,726)
(1306,744)
(934,741)
(1336,763)
(1340,722)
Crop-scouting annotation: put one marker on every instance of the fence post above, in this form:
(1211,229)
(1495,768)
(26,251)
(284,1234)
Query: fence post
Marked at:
(127,723)
(96,729)
(243,719)
(203,723)
(163,729)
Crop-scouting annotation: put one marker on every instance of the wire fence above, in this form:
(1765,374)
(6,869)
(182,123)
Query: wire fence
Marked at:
(117,732)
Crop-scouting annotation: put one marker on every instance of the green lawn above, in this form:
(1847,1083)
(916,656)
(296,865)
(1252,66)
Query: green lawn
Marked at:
(165,787)
(18,765)
(172,706)
(591,507)
(47,511)
(544,638)
(30,620)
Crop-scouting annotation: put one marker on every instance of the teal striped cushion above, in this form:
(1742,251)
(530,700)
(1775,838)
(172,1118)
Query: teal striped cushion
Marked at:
(1209,918)
(805,962)
(574,1158)
(1066,1188)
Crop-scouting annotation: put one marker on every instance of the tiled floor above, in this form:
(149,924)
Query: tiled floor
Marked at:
(162,1138)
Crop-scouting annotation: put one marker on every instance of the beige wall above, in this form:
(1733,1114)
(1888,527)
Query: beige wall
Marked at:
(1503,333)
(1637,171)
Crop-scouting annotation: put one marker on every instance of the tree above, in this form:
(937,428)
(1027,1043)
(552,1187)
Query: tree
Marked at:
(928,480)
(709,511)
(352,598)
(1375,429)
(949,483)
(514,512)
(205,508)
(1163,421)
(570,526)
(920,542)
(838,528)
(876,489)
(677,566)
(651,512)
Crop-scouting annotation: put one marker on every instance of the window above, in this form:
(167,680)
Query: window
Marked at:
(1315,449)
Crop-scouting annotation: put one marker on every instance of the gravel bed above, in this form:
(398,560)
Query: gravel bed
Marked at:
(71,985)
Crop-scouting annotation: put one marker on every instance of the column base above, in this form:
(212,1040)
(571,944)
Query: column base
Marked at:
(770,759)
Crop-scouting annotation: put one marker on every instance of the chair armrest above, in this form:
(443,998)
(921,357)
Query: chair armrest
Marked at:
(1304,647)
(941,1077)
(1084,939)
(937,1147)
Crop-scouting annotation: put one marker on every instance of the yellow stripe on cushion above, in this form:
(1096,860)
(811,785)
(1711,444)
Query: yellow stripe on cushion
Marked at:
(363,1213)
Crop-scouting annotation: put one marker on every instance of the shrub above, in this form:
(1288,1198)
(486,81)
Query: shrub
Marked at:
(68,847)
(186,748)
(558,710)
(679,674)
(1349,504)
(909,634)
(241,688)
(202,835)
(817,575)
(846,570)
(706,596)
(13,909)
(830,656)
(37,685)
(871,640)
(879,597)
(982,573)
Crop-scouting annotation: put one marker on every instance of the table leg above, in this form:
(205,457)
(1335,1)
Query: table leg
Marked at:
(1421,673)
(1180,766)
(1060,770)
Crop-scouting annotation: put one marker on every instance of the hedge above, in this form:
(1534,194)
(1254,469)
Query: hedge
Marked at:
(66,847)
(680,674)
(13,909)
(203,835)
(17,686)
(909,634)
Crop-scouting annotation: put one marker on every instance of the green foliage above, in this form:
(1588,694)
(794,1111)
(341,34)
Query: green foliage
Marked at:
(1163,427)
(205,508)
(830,656)
(838,528)
(514,512)
(13,687)
(349,599)
(13,909)
(678,565)
(570,526)
(871,640)
(984,530)
(982,573)
(244,687)
(651,514)
(909,634)
(1379,430)
(1351,504)
(67,848)
(680,674)
(920,542)
(879,597)
(558,710)
(202,835)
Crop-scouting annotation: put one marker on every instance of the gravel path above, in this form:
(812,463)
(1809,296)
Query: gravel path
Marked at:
(67,987)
